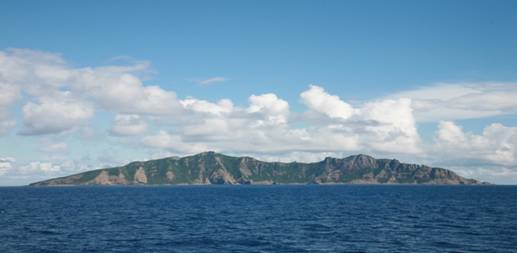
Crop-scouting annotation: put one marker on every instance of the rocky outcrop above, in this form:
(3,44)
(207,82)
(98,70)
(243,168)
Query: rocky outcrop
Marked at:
(140,177)
(214,168)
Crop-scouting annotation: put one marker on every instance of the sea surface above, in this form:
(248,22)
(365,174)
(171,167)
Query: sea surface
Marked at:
(301,218)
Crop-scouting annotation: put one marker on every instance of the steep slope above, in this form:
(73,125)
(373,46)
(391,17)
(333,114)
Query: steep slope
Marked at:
(214,168)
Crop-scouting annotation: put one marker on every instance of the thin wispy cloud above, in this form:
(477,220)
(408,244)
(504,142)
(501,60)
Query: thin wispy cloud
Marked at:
(213,80)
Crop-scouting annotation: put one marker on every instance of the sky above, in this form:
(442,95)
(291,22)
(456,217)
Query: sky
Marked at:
(92,84)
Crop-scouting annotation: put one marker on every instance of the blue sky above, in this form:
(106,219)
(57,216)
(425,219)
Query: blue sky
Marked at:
(362,52)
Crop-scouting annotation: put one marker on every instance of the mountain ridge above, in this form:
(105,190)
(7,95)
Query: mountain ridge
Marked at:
(215,168)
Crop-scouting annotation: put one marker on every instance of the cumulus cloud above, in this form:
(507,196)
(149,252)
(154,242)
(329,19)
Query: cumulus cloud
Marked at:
(264,126)
(497,144)
(9,94)
(13,171)
(164,140)
(6,164)
(54,97)
(488,173)
(54,115)
(45,167)
(274,109)
(318,100)
(46,78)
(118,89)
(64,97)
(393,127)
(462,101)
(128,124)
(224,106)
(21,172)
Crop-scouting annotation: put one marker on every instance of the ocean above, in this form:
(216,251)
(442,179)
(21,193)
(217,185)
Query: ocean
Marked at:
(247,218)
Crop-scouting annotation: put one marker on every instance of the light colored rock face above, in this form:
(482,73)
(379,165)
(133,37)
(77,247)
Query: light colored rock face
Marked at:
(243,168)
(102,178)
(392,180)
(201,178)
(334,176)
(170,176)
(222,176)
(219,162)
(105,179)
(140,176)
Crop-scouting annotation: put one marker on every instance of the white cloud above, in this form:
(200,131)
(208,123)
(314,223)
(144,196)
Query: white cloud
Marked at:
(9,94)
(117,90)
(35,72)
(128,124)
(57,97)
(212,80)
(318,100)
(264,124)
(6,164)
(54,115)
(10,168)
(6,124)
(164,140)
(462,101)
(488,173)
(203,106)
(393,126)
(264,127)
(450,134)
(274,110)
(496,145)
(15,172)
(45,167)
(45,77)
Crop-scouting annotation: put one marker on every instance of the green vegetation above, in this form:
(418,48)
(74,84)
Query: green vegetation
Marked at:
(214,168)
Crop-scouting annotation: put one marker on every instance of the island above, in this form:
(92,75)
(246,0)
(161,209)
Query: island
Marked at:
(215,168)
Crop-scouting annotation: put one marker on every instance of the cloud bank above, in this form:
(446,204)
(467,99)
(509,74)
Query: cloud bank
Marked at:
(54,98)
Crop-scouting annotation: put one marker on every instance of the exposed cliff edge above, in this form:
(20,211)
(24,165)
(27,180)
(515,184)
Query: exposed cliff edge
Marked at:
(215,168)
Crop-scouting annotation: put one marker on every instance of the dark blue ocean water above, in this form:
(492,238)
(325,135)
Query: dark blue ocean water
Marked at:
(259,219)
